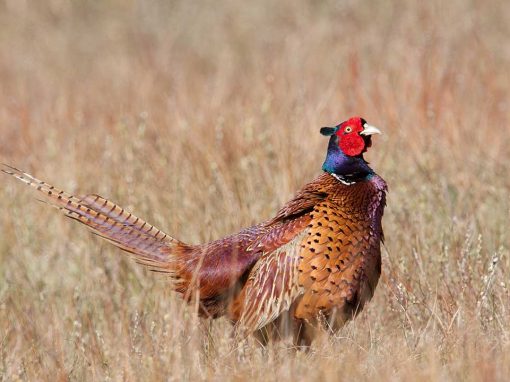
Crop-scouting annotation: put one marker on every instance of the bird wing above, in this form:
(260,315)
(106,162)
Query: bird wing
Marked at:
(273,282)
(272,285)
(266,251)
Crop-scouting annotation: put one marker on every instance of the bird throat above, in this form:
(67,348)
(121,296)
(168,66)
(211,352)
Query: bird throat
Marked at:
(346,169)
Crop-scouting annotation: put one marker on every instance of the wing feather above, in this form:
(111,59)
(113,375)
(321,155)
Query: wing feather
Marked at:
(272,286)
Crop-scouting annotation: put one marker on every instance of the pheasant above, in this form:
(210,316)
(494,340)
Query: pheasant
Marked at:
(309,269)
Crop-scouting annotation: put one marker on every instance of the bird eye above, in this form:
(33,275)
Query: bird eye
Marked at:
(348,129)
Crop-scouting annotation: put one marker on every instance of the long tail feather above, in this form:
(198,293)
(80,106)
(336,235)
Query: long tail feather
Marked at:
(149,245)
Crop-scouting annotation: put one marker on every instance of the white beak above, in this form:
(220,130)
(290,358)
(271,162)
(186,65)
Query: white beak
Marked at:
(369,130)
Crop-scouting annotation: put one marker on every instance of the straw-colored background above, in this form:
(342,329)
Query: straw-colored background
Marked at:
(203,117)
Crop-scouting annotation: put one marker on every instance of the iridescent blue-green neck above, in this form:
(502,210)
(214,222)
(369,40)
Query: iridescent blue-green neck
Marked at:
(353,168)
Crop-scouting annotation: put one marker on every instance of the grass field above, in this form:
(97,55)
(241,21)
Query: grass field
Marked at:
(204,117)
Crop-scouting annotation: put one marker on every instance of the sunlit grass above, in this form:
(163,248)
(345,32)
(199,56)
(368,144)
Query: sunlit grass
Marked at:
(203,118)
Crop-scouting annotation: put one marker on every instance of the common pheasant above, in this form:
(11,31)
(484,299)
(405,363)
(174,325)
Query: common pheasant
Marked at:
(313,266)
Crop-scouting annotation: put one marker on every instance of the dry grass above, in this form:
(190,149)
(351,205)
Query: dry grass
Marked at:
(203,118)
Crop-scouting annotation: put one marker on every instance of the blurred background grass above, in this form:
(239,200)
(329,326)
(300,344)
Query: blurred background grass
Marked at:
(203,117)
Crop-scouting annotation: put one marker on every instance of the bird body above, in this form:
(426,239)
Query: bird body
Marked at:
(328,261)
(314,265)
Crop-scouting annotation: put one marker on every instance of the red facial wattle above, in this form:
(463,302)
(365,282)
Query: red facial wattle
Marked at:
(349,140)
(352,144)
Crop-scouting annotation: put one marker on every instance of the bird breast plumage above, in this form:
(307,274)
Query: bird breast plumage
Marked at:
(330,267)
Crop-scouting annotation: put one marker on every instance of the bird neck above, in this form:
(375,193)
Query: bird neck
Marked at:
(346,169)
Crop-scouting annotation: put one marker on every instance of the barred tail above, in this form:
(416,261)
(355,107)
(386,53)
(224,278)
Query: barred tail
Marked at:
(148,245)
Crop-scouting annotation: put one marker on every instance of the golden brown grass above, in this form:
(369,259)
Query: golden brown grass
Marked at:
(203,117)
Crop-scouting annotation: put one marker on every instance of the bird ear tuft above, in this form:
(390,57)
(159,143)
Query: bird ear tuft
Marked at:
(327,131)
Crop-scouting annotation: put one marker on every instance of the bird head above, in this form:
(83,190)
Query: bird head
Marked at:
(353,136)
(349,140)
